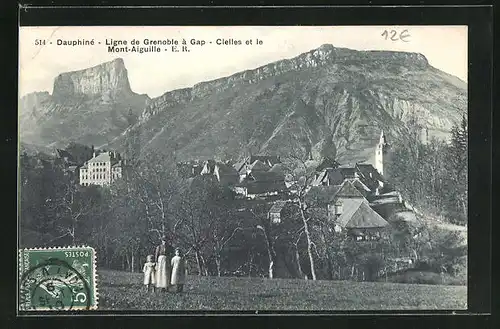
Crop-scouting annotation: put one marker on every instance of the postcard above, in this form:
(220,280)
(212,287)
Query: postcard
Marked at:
(242,168)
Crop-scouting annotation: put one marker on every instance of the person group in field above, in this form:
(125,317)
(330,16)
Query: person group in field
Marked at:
(168,270)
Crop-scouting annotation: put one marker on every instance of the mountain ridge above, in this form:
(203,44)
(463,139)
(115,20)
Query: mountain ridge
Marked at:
(326,95)
(314,57)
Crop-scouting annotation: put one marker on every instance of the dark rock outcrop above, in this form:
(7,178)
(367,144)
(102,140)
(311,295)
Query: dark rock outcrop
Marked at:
(110,79)
(91,106)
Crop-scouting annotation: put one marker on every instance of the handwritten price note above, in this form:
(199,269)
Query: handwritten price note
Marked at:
(394,35)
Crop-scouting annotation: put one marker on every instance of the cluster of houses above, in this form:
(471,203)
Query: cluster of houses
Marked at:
(355,198)
(255,177)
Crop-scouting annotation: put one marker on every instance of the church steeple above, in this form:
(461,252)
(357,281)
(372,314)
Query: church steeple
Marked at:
(379,153)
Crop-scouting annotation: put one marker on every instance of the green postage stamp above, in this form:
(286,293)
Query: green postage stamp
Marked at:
(57,279)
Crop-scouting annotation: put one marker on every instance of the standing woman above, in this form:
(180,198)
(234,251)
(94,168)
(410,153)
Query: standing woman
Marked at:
(163,268)
(179,270)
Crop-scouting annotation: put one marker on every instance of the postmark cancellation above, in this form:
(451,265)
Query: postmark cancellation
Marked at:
(57,279)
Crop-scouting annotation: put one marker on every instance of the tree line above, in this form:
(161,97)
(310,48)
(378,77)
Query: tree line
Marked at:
(220,234)
(433,176)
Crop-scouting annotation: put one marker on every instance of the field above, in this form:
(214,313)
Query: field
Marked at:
(124,291)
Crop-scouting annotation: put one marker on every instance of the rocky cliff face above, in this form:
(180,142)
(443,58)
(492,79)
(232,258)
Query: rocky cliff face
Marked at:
(328,95)
(90,106)
(31,101)
(324,55)
(328,98)
(109,79)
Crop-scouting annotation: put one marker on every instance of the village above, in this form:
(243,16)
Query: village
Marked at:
(357,198)
(306,170)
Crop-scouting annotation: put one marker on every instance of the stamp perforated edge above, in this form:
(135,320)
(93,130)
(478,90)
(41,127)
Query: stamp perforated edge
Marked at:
(94,268)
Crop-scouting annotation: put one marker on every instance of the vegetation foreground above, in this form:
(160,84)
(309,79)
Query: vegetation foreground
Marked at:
(124,291)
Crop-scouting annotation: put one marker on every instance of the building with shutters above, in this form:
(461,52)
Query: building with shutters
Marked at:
(102,169)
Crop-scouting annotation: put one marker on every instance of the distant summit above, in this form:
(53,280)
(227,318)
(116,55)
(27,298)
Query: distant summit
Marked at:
(90,106)
(328,100)
(109,78)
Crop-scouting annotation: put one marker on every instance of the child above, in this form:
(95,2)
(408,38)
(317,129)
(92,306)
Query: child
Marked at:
(149,273)
(179,270)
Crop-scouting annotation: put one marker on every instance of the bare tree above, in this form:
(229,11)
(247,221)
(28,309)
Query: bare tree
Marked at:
(69,207)
(302,177)
(200,213)
(271,252)
(156,187)
(297,254)
(130,228)
(222,235)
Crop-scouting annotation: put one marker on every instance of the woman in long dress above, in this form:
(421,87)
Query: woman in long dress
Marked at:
(163,269)
(179,270)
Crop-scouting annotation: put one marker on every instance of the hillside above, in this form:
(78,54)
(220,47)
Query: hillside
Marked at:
(124,291)
(33,150)
(327,96)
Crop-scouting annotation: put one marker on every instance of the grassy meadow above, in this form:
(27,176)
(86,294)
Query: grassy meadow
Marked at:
(125,291)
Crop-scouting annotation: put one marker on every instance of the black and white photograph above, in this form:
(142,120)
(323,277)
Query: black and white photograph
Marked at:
(236,168)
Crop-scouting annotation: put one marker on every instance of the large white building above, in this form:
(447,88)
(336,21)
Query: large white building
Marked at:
(102,169)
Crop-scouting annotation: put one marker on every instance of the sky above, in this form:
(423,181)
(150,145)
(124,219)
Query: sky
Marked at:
(445,47)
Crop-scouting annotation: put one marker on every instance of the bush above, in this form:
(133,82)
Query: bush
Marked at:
(444,251)
(424,277)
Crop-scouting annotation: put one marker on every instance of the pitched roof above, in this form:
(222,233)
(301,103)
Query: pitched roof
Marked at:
(386,199)
(334,176)
(278,168)
(225,169)
(239,166)
(277,206)
(320,178)
(348,190)
(367,168)
(209,165)
(265,187)
(337,175)
(390,194)
(259,165)
(349,207)
(322,194)
(72,168)
(268,159)
(102,157)
(346,171)
(366,217)
(64,154)
(267,176)
(360,185)
(327,194)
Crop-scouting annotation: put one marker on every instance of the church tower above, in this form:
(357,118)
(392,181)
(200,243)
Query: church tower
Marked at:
(379,153)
